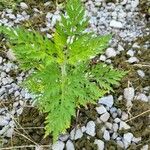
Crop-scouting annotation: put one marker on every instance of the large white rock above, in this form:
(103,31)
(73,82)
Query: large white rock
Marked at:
(141,73)
(100,144)
(23,5)
(10,55)
(76,134)
(142,97)
(69,145)
(110,52)
(124,125)
(59,145)
(108,100)
(1,60)
(106,135)
(128,137)
(90,128)
(104,117)
(116,24)
(129,93)
(132,60)
(3,121)
(101,109)
(145,147)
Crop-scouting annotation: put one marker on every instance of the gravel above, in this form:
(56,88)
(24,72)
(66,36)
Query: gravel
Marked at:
(110,52)
(107,101)
(100,144)
(101,109)
(106,135)
(129,93)
(104,117)
(69,145)
(59,145)
(76,134)
(90,128)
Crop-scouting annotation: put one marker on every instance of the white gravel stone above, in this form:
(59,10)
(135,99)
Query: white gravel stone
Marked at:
(100,144)
(108,101)
(120,143)
(129,93)
(64,137)
(130,52)
(101,109)
(124,116)
(1,60)
(141,73)
(134,3)
(142,97)
(115,127)
(145,147)
(136,140)
(114,135)
(76,134)
(132,60)
(117,120)
(106,135)
(108,125)
(69,145)
(10,132)
(2,91)
(90,128)
(120,48)
(10,55)
(59,145)
(116,24)
(23,5)
(110,52)
(128,137)
(3,121)
(102,58)
(124,125)
(104,117)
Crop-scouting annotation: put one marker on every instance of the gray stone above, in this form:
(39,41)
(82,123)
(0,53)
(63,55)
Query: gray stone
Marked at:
(64,137)
(104,117)
(10,55)
(101,109)
(100,144)
(120,143)
(1,60)
(59,145)
(141,73)
(117,120)
(108,125)
(110,52)
(2,91)
(106,135)
(128,137)
(23,5)
(136,140)
(132,60)
(108,101)
(76,134)
(116,24)
(124,125)
(129,93)
(142,97)
(69,145)
(124,116)
(130,52)
(115,127)
(3,121)
(90,128)
(145,147)
(102,58)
